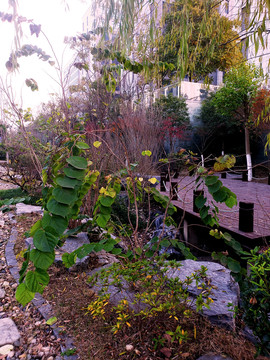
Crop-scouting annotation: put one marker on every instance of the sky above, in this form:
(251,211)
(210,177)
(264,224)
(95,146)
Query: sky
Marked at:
(57,21)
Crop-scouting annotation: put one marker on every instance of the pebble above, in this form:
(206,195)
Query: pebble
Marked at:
(6,349)
(129,347)
(28,320)
(2,293)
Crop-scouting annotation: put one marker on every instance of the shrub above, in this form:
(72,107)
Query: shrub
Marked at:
(255,294)
(149,295)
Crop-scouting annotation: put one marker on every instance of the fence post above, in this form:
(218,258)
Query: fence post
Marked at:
(246,216)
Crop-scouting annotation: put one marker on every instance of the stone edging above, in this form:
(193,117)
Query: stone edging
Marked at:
(39,302)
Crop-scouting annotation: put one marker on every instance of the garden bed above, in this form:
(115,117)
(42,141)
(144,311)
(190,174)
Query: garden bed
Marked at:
(69,294)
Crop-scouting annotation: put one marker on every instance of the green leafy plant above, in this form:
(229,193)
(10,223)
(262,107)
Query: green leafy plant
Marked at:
(63,192)
(148,294)
(255,291)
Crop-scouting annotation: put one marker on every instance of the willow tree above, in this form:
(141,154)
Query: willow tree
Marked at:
(208,48)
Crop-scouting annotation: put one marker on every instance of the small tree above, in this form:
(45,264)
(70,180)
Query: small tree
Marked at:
(235,99)
(174,113)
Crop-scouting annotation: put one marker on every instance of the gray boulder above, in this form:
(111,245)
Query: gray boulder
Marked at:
(224,291)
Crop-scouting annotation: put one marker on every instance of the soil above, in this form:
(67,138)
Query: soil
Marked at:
(70,294)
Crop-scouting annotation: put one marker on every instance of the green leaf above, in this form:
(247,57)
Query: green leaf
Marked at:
(74,173)
(116,251)
(44,241)
(231,201)
(41,259)
(204,212)
(43,276)
(105,210)
(35,227)
(85,250)
(200,201)
(220,195)
(67,182)
(58,209)
(65,196)
(211,180)
(82,145)
(69,259)
(24,295)
(106,201)
(35,281)
(102,220)
(51,320)
(234,265)
(110,244)
(78,162)
(215,187)
(58,223)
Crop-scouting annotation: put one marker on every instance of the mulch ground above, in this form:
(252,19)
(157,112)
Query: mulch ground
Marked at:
(69,294)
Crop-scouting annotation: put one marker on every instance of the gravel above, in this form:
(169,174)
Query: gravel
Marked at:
(37,340)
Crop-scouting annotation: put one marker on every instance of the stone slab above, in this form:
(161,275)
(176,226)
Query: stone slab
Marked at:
(225,290)
(9,332)
(22,208)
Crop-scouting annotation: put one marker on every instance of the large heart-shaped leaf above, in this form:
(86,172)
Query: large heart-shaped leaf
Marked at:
(42,260)
(58,223)
(106,201)
(57,208)
(215,187)
(44,241)
(67,182)
(74,173)
(220,195)
(33,282)
(102,220)
(24,295)
(64,195)
(78,162)
(35,227)
(210,180)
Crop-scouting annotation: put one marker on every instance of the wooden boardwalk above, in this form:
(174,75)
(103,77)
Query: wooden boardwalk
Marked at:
(252,192)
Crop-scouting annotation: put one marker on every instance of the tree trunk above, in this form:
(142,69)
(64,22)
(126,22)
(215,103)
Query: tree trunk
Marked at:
(248,155)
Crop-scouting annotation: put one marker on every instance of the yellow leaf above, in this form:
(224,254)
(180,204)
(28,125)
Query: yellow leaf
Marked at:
(141,179)
(97,144)
(152,180)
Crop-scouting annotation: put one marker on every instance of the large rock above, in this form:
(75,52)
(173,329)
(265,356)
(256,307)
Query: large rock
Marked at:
(225,290)
(22,208)
(9,333)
